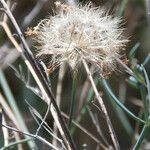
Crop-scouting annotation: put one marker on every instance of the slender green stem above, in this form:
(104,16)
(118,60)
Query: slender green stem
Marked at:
(107,88)
(16,143)
(133,82)
(143,96)
(146,60)
(120,115)
(141,137)
(13,105)
(122,7)
(133,50)
(147,82)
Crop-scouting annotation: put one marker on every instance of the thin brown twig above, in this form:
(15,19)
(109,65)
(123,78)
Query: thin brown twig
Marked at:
(17,138)
(47,128)
(103,108)
(31,135)
(5,132)
(8,111)
(17,46)
(85,89)
(58,97)
(87,133)
(11,116)
(9,56)
(9,34)
(43,119)
(41,81)
(97,125)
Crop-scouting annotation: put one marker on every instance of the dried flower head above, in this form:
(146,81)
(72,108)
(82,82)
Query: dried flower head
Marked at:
(81,32)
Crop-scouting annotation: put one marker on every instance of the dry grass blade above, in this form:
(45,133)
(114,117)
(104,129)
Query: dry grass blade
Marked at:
(41,81)
(87,133)
(103,108)
(31,135)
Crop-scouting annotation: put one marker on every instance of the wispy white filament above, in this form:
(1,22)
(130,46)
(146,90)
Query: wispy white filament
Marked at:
(81,32)
(71,2)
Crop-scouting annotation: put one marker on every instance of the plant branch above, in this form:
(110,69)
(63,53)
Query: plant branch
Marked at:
(141,137)
(41,81)
(16,143)
(13,105)
(58,96)
(107,88)
(86,132)
(31,135)
(103,108)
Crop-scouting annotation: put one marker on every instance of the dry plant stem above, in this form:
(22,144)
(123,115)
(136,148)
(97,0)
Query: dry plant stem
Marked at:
(10,36)
(103,108)
(14,107)
(11,116)
(45,125)
(17,138)
(58,97)
(42,82)
(31,135)
(5,132)
(44,118)
(87,132)
(85,90)
(60,82)
(12,39)
(98,127)
(128,70)
(8,111)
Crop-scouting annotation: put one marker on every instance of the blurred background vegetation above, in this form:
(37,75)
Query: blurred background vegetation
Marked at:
(137,24)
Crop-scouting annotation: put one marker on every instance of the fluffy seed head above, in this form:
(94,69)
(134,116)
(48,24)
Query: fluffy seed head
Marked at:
(80,32)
